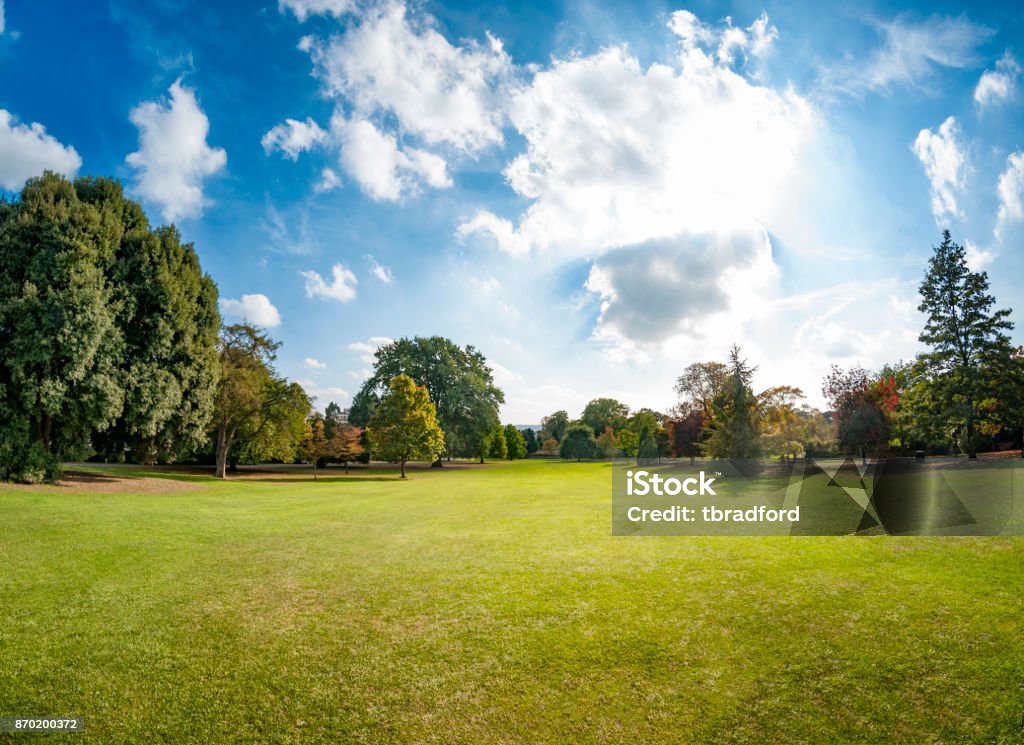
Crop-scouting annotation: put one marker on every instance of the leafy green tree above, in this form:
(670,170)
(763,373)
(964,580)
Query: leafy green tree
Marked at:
(107,331)
(701,383)
(604,412)
(332,419)
(60,342)
(404,426)
(734,429)
(965,335)
(458,380)
(579,443)
(530,438)
(515,442)
(497,447)
(628,441)
(554,426)
(258,414)
(647,450)
(168,313)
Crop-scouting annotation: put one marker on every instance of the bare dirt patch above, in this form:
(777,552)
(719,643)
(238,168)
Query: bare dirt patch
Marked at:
(87,481)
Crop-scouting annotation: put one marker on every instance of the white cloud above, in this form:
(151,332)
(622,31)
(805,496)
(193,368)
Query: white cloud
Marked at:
(1011,193)
(293,137)
(367,349)
(501,230)
(502,375)
(256,309)
(999,85)
(387,63)
(314,364)
(328,393)
(910,54)
(977,258)
(754,41)
(2,21)
(684,286)
(305,8)
(173,159)
(383,170)
(26,150)
(342,288)
(944,163)
(618,155)
(379,271)
(328,180)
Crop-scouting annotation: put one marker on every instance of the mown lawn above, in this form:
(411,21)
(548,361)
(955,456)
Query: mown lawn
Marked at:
(489,605)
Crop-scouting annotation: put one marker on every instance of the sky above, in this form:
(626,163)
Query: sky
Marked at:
(592,194)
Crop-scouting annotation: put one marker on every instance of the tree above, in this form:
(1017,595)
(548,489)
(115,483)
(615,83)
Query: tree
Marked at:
(685,430)
(258,414)
(168,313)
(647,450)
(607,444)
(579,443)
(332,419)
(604,412)
(700,383)
(107,331)
(783,430)
(515,442)
(628,441)
(497,447)
(554,426)
(861,407)
(346,443)
(549,446)
(530,438)
(404,427)
(458,381)
(734,429)
(315,443)
(965,335)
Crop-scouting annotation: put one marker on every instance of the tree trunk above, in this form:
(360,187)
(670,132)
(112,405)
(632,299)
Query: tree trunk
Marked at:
(403,468)
(346,468)
(972,451)
(314,469)
(222,452)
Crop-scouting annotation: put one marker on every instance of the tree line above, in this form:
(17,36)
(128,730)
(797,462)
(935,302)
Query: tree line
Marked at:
(112,346)
(965,392)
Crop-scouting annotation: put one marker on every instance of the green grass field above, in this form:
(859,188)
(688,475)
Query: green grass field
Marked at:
(488,605)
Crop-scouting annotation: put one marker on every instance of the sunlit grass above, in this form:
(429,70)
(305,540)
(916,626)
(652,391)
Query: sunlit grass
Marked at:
(489,605)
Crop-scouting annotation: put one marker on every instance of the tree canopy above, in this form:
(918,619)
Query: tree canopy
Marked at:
(966,337)
(259,415)
(404,426)
(458,381)
(107,329)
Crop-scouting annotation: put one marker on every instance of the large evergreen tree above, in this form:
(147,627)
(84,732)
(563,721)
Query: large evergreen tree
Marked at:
(966,339)
(734,427)
(107,331)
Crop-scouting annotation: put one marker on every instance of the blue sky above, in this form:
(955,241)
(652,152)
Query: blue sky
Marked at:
(593,194)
